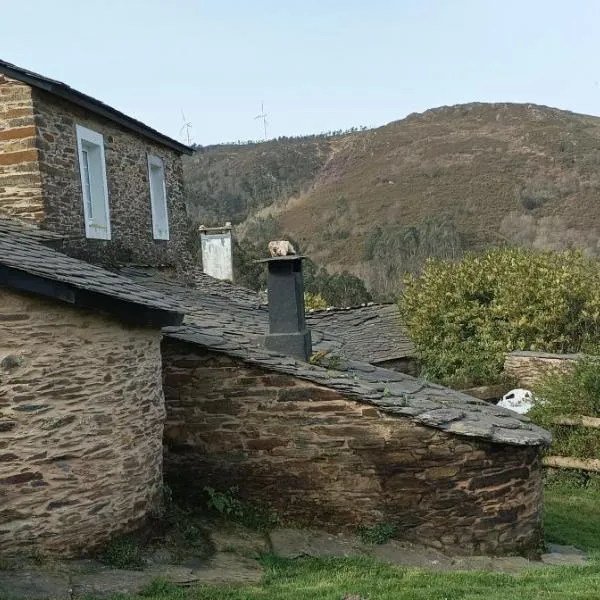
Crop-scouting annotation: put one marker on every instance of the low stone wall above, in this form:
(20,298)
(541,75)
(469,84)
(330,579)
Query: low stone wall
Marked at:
(529,367)
(81,423)
(321,459)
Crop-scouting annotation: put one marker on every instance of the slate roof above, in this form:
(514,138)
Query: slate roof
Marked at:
(212,300)
(363,333)
(14,226)
(62,90)
(21,251)
(373,332)
(391,392)
(224,318)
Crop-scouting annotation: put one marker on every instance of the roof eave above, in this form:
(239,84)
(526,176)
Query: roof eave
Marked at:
(130,312)
(65,92)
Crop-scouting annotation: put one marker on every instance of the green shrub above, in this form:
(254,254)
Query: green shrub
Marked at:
(465,316)
(228,506)
(376,534)
(124,552)
(570,480)
(574,393)
(314,301)
(225,503)
(337,289)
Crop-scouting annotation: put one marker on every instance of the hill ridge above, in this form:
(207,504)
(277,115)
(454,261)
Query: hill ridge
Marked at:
(472,175)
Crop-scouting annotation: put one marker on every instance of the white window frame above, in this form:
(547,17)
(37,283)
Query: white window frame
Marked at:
(160,230)
(97,226)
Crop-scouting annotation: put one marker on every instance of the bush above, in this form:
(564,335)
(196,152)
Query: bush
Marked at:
(228,506)
(337,289)
(575,393)
(376,534)
(124,552)
(314,301)
(465,316)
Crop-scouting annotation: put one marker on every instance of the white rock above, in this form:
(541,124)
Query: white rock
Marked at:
(281,248)
(518,400)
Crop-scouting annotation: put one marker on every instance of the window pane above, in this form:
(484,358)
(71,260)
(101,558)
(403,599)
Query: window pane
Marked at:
(159,199)
(93,183)
(87,188)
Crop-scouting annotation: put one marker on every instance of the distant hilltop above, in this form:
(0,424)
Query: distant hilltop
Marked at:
(377,201)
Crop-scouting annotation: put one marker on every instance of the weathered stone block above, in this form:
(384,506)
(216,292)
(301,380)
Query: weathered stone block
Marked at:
(498,478)
(278,381)
(445,472)
(527,368)
(266,443)
(18,157)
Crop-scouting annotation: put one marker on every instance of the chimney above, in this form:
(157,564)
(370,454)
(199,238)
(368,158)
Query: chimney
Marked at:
(288,333)
(217,256)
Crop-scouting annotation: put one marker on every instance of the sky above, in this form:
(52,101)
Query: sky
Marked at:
(318,65)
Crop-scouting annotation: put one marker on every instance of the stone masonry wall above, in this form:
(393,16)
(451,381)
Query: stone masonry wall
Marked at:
(527,368)
(20,179)
(321,459)
(81,423)
(128,188)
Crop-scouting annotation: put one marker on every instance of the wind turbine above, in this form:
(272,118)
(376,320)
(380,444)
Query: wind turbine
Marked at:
(263,116)
(187,125)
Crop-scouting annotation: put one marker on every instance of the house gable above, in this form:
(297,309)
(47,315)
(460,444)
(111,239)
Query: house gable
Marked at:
(45,177)
(90,105)
(132,237)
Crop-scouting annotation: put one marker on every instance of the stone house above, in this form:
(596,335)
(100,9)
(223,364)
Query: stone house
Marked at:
(341,445)
(81,400)
(335,443)
(112,186)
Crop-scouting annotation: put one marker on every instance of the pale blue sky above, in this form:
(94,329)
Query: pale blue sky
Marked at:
(317,64)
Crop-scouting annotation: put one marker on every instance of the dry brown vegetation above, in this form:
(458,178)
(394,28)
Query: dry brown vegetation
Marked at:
(493,173)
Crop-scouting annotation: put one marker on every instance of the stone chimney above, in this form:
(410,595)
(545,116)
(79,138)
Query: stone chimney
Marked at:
(288,333)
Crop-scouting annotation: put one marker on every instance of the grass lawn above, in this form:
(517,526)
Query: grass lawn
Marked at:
(572,517)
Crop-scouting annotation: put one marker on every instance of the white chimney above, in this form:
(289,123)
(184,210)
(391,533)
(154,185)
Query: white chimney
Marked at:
(217,251)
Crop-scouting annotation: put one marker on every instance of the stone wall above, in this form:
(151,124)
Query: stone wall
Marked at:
(81,423)
(321,459)
(128,188)
(20,180)
(527,368)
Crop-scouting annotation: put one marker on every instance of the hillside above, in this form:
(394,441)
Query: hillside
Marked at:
(230,182)
(451,179)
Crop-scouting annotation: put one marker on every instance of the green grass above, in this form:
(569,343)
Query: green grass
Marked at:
(572,517)
(332,579)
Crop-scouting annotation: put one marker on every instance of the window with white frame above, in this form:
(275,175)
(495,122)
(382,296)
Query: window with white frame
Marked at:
(92,169)
(158,198)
